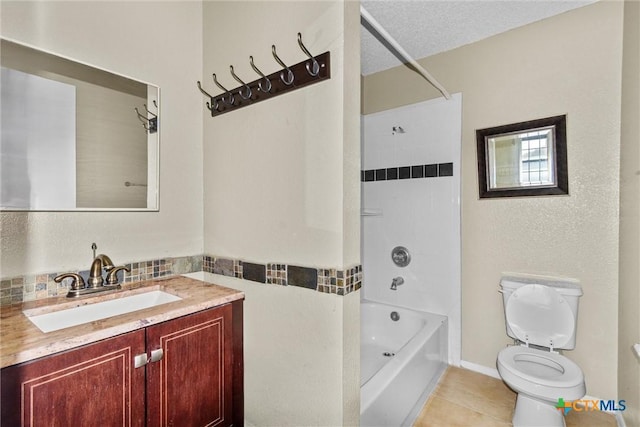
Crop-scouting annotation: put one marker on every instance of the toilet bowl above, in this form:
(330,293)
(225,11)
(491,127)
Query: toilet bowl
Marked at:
(540,378)
(541,318)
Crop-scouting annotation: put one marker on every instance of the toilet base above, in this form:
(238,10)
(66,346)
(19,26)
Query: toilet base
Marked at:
(531,412)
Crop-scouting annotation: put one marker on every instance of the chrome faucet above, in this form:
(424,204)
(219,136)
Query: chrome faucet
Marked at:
(397,281)
(95,282)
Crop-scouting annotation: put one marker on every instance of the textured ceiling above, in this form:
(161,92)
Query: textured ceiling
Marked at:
(426,27)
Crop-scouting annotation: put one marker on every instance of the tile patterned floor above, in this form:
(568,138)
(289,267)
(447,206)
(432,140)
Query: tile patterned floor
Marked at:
(467,398)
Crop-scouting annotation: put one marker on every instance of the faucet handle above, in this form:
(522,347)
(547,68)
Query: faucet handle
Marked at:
(76,283)
(112,276)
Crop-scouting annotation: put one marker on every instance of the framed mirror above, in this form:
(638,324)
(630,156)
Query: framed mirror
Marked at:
(75,137)
(523,159)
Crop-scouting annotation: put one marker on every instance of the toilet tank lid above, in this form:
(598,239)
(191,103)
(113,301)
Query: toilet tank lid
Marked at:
(564,286)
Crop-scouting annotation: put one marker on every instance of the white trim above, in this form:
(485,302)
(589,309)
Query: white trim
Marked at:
(492,372)
(620,419)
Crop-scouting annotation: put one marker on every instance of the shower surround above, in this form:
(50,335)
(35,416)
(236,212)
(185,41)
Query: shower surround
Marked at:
(411,198)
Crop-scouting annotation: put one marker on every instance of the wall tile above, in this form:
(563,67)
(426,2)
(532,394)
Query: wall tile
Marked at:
(404,172)
(407,172)
(254,272)
(302,276)
(445,169)
(327,280)
(430,171)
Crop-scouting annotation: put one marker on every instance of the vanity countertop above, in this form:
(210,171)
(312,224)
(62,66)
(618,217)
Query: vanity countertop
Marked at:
(22,341)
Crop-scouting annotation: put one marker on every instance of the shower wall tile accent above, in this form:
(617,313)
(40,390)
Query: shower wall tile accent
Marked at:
(407,172)
(333,281)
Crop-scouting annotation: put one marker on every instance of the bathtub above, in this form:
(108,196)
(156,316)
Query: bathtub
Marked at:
(401,362)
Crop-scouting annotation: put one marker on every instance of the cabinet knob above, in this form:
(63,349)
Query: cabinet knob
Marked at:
(157,355)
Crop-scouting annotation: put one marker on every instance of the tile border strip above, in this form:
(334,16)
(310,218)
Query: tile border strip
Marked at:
(407,172)
(32,287)
(325,280)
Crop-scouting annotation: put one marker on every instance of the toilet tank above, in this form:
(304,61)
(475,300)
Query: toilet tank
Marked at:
(570,289)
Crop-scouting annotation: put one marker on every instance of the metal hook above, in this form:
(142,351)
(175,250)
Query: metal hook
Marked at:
(149,112)
(290,75)
(204,92)
(315,67)
(149,124)
(142,119)
(268,84)
(215,80)
(249,93)
(214,108)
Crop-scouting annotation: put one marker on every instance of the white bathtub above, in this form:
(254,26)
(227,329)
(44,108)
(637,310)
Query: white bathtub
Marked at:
(400,362)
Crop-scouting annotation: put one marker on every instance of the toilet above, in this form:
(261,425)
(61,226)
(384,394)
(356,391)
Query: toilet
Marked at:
(541,316)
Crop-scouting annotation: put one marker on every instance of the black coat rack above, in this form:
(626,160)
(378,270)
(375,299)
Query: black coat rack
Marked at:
(289,78)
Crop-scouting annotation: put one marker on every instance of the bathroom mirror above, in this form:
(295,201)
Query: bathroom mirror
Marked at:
(523,159)
(75,137)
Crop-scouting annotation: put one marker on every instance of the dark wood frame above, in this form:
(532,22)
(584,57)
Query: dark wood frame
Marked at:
(302,78)
(561,173)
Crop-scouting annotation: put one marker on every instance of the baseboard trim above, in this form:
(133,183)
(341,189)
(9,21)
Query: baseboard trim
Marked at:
(620,420)
(492,372)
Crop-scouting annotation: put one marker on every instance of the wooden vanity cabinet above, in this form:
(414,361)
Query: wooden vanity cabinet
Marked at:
(78,387)
(197,382)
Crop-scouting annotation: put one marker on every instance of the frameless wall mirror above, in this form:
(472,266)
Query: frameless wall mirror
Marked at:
(523,159)
(75,137)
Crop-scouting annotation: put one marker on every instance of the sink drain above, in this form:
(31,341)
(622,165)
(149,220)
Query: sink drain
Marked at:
(388,354)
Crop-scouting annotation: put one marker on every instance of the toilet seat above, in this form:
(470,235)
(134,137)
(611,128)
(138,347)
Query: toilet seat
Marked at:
(539,315)
(541,373)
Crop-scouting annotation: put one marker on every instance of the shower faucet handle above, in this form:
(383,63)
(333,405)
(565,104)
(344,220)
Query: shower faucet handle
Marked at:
(397,281)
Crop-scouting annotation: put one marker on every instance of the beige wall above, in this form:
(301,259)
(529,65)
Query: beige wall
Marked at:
(281,184)
(123,37)
(629,365)
(277,167)
(569,64)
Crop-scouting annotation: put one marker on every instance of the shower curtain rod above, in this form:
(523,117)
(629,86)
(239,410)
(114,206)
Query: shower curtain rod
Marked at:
(376,25)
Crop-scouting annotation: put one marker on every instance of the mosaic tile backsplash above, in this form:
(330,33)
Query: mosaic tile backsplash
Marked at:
(326,280)
(330,281)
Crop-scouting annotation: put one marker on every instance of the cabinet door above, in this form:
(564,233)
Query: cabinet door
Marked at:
(89,386)
(191,384)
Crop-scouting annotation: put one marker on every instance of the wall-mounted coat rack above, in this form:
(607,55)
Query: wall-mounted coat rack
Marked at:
(150,121)
(289,78)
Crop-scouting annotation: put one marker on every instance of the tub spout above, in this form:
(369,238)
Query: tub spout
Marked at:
(397,281)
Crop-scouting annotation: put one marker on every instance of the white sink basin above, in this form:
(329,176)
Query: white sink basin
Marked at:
(61,319)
